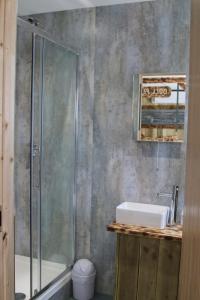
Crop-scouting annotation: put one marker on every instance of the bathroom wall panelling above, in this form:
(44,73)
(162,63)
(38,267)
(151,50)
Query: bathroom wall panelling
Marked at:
(22,141)
(131,39)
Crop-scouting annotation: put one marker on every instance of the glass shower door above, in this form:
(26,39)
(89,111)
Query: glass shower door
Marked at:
(54,107)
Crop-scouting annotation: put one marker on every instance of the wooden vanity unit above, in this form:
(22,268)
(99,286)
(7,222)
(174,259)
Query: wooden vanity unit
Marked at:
(147,262)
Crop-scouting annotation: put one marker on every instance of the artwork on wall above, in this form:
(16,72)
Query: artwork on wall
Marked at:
(162,101)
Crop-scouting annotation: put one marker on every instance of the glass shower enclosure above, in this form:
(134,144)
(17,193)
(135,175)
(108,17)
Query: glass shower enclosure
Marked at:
(53,141)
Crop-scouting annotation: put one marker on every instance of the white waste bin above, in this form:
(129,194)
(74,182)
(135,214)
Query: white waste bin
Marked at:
(83,277)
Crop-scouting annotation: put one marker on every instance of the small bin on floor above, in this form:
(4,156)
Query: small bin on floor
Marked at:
(83,277)
(20,296)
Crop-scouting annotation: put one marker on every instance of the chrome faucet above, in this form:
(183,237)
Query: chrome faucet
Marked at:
(174,204)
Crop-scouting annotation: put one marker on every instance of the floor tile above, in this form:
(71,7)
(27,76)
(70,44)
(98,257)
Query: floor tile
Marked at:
(101,297)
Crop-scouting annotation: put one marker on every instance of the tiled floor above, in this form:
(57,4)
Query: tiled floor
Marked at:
(101,297)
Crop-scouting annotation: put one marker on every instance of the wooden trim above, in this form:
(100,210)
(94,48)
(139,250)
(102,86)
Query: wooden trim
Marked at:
(117,268)
(173,233)
(1,101)
(7,101)
(162,126)
(164,79)
(1,267)
(190,263)
(163,106)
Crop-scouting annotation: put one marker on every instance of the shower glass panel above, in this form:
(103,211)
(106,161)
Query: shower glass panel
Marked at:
(37,87)
(53,161)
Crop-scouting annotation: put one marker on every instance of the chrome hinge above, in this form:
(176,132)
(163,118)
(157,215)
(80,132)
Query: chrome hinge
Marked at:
(4,234)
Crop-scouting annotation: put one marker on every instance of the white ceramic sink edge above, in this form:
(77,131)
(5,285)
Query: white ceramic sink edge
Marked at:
(141,214)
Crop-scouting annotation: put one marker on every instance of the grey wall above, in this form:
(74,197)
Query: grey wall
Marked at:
(22,142)
(131,39)
(115,43)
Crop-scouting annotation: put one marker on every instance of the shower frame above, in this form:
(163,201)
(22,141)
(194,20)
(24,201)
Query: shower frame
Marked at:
(37,32)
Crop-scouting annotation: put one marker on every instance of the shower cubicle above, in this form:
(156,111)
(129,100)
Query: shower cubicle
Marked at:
(45,150)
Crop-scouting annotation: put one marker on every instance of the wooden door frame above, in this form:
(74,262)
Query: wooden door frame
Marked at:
(8,19)
(190,262)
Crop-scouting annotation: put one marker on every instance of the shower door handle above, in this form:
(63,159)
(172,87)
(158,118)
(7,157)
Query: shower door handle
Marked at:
(36,166)
(36,150)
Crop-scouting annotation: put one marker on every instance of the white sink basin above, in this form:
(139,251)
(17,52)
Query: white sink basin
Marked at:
(140,214)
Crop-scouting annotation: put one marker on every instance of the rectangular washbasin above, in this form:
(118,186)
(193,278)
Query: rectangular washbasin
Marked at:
(140,214)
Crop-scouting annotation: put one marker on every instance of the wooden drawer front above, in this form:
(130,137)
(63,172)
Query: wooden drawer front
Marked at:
(127,267)
(147,269)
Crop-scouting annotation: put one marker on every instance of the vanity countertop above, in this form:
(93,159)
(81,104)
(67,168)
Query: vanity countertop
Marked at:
(169,233)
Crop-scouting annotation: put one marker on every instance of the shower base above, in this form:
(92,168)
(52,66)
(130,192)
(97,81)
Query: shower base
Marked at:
(50,271)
